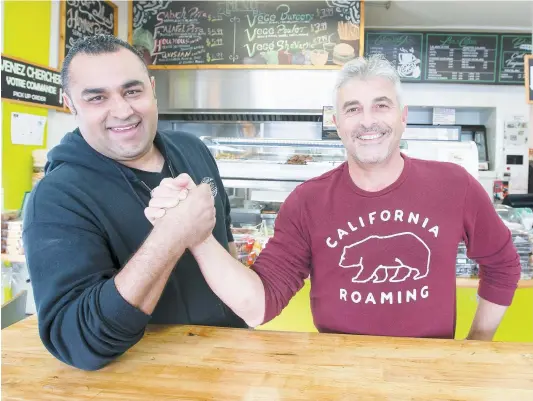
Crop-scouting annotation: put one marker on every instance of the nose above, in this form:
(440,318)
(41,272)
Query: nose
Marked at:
(368,118)
(120,108)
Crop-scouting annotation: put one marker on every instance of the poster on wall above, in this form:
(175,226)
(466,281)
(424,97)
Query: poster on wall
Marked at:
(32,84)
(515,131)
(80,18)
(314,34)
(27,129)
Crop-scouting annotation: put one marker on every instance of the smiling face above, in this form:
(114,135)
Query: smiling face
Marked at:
(113,99)
(370,120)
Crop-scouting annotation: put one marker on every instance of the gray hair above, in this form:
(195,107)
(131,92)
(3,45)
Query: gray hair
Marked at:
(370,67)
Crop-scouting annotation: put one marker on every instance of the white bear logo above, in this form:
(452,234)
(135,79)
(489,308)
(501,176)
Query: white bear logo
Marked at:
(389,258)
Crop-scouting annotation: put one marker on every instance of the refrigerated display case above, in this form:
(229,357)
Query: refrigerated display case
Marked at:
(260,173)
(273,151)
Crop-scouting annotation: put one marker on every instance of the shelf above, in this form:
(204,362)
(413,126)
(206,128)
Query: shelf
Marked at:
(265,171)
(473,283)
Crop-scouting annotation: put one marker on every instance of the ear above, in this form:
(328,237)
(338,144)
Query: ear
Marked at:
(404,116)
(68,102)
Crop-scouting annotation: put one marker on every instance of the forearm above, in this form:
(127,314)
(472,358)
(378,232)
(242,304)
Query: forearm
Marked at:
(142,280)
(486,321)
(238,287)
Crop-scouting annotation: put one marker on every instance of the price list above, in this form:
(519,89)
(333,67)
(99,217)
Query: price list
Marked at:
(313,33)
(513,48)
(454,57)
(179,36)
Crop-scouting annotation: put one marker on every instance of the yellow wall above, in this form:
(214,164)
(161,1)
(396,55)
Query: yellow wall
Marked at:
(29,41)
(516,326)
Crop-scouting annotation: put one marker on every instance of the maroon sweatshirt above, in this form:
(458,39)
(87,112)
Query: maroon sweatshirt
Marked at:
(383,263)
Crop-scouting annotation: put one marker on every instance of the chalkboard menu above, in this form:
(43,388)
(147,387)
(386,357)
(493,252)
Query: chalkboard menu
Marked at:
(81,18)
(513,48)
(453,57)
(25,82)
(307,34)
(461,57)
(528,61)
(404,50)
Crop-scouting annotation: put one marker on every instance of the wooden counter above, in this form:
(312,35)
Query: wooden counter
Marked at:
(206,363)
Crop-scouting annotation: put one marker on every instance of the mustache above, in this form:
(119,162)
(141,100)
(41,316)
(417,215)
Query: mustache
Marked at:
(122,124)
(376,128)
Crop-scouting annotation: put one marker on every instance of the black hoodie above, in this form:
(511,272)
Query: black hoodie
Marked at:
(84,221)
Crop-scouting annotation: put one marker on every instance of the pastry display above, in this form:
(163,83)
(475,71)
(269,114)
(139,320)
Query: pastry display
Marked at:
(299,159)
(226,156)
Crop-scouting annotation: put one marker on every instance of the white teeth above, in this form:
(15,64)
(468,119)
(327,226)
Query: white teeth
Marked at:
(370,137)
(124,128)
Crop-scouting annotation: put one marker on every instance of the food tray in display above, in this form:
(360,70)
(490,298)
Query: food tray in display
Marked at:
(275,150)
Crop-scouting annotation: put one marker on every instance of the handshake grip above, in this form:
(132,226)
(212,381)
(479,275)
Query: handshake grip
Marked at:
(187,207)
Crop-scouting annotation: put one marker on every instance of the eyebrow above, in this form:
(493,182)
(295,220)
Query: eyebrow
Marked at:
(125,85)
(350,103)
(383,99)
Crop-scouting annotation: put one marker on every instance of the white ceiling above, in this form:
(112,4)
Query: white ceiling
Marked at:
(475,15)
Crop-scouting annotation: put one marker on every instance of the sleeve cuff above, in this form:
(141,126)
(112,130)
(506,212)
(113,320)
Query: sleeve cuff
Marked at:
(120,313)
(496,295)
(230,236)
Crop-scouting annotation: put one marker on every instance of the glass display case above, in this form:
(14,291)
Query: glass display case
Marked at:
(276,151)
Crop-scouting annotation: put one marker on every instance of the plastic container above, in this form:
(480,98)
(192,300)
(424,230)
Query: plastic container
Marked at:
(39,162)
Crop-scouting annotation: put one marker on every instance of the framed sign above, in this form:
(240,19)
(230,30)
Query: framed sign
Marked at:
(79,18)
(32,84)
(314,34)
(528,63)
(452,57)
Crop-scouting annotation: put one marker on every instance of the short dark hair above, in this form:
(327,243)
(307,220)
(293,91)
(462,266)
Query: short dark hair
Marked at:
(95,44)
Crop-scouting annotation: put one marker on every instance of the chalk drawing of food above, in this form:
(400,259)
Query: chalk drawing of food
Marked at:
(408,64)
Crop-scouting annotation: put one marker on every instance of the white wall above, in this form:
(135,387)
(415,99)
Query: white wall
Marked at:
(507,100)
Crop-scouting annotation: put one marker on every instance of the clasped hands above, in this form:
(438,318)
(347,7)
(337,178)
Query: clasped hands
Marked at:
(189,209)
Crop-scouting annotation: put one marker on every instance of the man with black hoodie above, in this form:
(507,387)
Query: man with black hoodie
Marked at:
(100,272)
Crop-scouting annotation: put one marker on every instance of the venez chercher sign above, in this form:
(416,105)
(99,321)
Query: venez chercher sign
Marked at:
(36,85)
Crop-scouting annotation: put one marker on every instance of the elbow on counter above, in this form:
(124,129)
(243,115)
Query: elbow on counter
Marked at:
(77,357)
(253,305)
(253,310)
(254,322)
(89,365)
(91,330)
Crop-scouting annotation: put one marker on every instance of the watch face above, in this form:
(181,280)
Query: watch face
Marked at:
(212,184)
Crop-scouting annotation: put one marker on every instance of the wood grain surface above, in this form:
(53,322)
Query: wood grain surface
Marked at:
(207,363)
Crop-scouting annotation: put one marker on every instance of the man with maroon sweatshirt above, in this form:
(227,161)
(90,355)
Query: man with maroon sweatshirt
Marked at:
(378,235)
